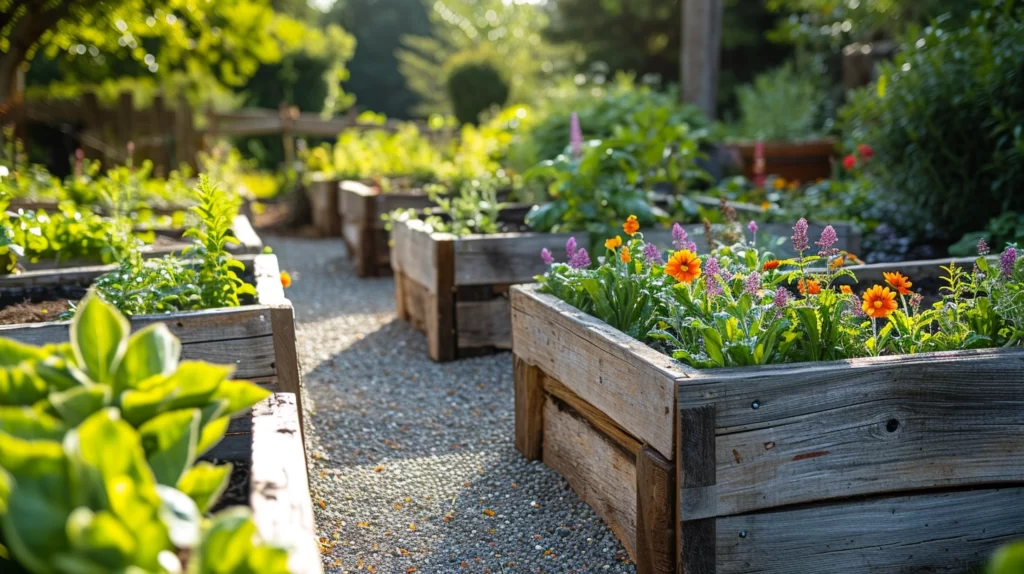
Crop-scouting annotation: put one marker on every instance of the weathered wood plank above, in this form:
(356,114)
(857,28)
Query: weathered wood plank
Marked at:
(867,426)
(323,199)
(484,323)
(416,297)
(695,469)
(655,516)
(441,306)
(269,289)
(631,383)
(939,532)
(597,419)
(248,240)
(279,486)
(415,253)
(504,258)
(599,472)
(529,408)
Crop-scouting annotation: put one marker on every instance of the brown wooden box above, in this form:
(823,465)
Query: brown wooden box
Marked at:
(796,161)
(323,202)
(365,233)
(455,289)
(892,464)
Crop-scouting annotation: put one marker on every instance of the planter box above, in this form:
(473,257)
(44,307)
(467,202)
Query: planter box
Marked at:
(323,201)
(278,481)
(892,464)
(801,161)
(366,237)
(259,339)
(455,289)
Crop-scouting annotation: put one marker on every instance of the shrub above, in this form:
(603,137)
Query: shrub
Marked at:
(946,119)
(780,105)
(473,88)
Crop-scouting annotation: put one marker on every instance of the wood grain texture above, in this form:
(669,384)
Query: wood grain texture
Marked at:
(529,408)
(413,250)
(695,469)
(484,323)
(938,532)
(279,485)
(504,258)
(597,419)
(631,383)
(597,470)
(323,199)
(440,309)
(416,297)
(867,426)
(655,514)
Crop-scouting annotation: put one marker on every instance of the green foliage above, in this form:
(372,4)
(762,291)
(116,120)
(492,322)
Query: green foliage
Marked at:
(945,121)
(475,87)
(220,286)
(1009,559)
(69,234)
(98,444)
(1001,231)
(780,105)
(475,209)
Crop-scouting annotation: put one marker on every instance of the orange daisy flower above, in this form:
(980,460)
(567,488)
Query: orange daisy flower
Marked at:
(836,263)
(684,266)
(613,243)
(624,255)
(879,302)
(846,289)
(813,287)
(286,279)
(772,264)
(899,282)
(631,225)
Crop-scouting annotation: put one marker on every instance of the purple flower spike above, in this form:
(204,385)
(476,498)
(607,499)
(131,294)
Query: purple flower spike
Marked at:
(581,260)
(680,239)
(753,284)
(546,256)
(800,235)
(570,248)
(575,136)
(752,226)
(1007,261)
(828,239)
(652,254)
(983,249)
(712,283)
(781,297)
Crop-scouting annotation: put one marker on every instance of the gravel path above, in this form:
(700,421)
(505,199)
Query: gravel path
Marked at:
(412,463)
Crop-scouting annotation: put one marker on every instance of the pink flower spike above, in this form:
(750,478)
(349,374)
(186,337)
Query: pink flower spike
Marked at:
(575,136)
(546,256)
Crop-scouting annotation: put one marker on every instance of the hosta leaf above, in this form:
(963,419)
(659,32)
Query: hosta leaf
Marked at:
(77,404)
(12,353)
(101,538)
(151,352)
(239,395)
(139,406)
(170,441)
(29,424)
(204,483)
(99,337)
(21,386)
(197,382)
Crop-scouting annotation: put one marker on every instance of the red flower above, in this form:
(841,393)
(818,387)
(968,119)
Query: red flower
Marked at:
(849,162)
(865,151)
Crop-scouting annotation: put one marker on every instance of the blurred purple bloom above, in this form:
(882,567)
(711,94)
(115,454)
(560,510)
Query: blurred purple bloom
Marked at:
(712,282)
(1007,261)
(581,260)
(575,136)
(781,297)
(800,235)
(546,256)
(681,240)
(570,248)
(753,284)
(858,309)
(652,254)
(827,240)
(983,249)
(752,226)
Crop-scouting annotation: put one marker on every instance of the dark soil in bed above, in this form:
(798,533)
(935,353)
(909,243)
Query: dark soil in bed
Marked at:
(237,492)
(32,312)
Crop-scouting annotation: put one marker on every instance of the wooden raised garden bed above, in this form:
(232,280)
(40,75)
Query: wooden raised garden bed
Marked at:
(797,161)
(892,464)
(323,202)
(257,338)
(365,233)
(455,289)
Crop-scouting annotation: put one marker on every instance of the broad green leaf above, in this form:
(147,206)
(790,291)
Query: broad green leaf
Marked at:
(99,337)
(34,526)
(29,424)
(170,440)
(79,403)
(197,382)
(212,433)
(101,538)
(21,385)
(204,483)
(240,395)
(139,406)
(151,352)
(30,458)
(1009,559)
(13,353)
(232,546)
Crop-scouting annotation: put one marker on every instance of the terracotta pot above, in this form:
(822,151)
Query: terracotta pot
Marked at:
(802,161)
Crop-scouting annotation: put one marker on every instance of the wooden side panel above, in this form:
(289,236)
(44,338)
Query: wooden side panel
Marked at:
(602,474)
(279,489)
(440,308)
(416,297)
(695,470)
(529,405)
(655,514)
(868,426)
(415,253)
(631,383)
(269,289)
(504,258)
(323,198)
(940,532)
(484,323)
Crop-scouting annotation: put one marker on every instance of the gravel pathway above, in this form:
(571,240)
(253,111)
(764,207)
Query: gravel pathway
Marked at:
(412,463)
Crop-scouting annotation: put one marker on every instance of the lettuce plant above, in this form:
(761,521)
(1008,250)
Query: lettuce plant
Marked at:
(98,445)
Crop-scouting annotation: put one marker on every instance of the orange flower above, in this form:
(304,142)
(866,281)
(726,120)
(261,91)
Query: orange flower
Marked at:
(286,279)
(779,183)
(813,287)
(846,289)
(771,264)
(624,255)
(879,302)
(836,263)
(684,266)
(613,243)
(899,282)
(766,205)
(631,225)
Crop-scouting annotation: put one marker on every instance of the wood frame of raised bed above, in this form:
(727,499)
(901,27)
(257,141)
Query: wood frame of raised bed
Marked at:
(360,208)
(455,289)
(867,465)
(258,339)
(323,202)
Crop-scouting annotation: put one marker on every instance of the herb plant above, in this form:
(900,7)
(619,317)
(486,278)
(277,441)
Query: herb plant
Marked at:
(475,209)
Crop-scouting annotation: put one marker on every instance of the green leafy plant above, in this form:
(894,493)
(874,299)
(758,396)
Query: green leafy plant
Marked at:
(474,86)
(780,105)
(475,209)
(98,445)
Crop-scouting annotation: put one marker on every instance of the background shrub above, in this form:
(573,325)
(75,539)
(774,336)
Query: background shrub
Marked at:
(473,88)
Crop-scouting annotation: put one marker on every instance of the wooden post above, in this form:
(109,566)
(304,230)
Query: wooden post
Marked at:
(441,304)
(529,408)
(287,137)
(700,52)
(125,121)
(695,468)
(161,158)
(655,513)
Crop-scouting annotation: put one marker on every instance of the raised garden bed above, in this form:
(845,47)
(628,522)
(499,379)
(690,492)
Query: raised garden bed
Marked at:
(798,161)
(271,476)
(258,337)
(455,289)
(323,202)
(891,464)
(360,208)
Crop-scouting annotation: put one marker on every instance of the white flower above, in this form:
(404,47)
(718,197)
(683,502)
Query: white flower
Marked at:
(4,171)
